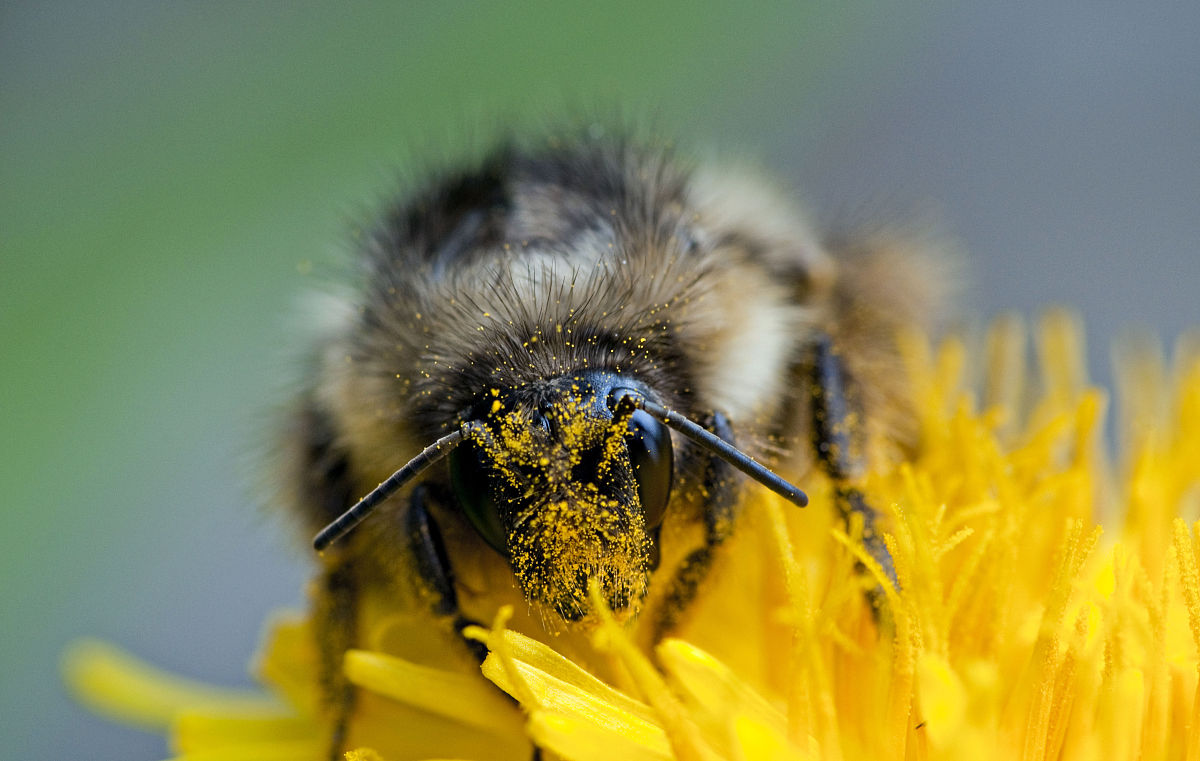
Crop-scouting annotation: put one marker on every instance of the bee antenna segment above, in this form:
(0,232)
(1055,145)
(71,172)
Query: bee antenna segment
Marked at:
(429,456)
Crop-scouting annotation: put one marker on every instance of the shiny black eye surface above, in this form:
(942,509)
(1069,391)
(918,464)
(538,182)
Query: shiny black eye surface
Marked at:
(469,479)
(651,457)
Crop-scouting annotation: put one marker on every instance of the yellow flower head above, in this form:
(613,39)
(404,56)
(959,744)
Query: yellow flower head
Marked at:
(1013,629)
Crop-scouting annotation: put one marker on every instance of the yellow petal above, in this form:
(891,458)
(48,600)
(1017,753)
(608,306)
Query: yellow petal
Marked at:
(195,729)
(462,697)
(290,663)
(577,738)
(713,688)
(943,699)
(623,715)
(764,742)
(117,684)
(539,661)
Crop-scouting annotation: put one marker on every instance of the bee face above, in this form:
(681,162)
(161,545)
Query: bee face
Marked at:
(566,489)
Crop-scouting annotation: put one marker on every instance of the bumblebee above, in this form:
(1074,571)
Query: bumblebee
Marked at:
(554,366)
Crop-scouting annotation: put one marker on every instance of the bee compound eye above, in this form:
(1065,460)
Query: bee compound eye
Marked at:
(652,460)
(470,476)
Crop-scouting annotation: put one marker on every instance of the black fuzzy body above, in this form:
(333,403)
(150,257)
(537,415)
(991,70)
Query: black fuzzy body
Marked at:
(567,256)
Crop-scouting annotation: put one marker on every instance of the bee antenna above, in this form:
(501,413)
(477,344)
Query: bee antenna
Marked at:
(718,446)
(429,456)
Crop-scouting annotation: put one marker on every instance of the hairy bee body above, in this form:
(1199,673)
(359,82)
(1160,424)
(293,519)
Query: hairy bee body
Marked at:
(503,287)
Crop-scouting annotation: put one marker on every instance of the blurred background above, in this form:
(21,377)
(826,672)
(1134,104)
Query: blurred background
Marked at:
(173,176)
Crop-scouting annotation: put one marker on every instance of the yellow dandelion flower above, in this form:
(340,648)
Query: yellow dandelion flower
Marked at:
(1015,629)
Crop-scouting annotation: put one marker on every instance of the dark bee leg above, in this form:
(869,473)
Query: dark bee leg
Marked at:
(433,565)
(336,622)
(837,436)
(336,611)
(720,494)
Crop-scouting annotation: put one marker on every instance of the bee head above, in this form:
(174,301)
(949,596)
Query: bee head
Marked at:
(569,478)
(568,484)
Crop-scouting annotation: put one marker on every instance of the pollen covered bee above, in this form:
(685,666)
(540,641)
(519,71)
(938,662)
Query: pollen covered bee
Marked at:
(555,365)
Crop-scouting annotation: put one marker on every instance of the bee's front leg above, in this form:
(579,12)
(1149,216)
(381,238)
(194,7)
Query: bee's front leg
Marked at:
(337,611)
(720,496)
(434,569)
(838,438)
(432,565)
(336,621)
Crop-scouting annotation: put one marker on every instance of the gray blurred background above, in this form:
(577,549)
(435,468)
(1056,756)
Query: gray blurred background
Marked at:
(172,176)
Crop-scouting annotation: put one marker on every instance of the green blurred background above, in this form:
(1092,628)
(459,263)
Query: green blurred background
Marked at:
(174,176)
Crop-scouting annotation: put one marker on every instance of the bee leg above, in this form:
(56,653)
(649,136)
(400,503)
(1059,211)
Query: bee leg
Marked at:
(837,436)
(433,565)
(720,495)
(336,622)
(433,568)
